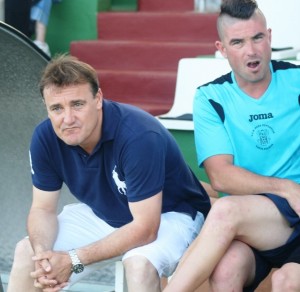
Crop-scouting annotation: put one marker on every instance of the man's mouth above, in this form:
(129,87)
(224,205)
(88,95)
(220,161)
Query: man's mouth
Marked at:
(70,129)
(253,65)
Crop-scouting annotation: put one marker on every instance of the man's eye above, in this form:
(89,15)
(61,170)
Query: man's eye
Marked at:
(258,38)
(236,42)
(56,109)
(78,105)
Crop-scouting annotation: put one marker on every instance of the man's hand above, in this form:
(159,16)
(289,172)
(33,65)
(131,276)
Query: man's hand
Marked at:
(53,270)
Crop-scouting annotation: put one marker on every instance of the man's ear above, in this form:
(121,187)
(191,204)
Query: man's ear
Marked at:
(270,34)
(99,97)
(221,48)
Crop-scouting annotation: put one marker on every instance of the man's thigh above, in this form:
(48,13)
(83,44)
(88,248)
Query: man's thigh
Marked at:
(79,226)
(176,232)
(260,223)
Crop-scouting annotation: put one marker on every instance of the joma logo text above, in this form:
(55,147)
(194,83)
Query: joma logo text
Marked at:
(260,117)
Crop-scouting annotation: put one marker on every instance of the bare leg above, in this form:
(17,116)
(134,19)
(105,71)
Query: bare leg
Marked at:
(287,278)
(163,282)
(141,275)
(20,280)
(40,32)
(235,270)
(234,217)
(40,37)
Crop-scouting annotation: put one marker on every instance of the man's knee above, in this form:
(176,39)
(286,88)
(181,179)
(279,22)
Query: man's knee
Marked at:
(287,278)
(23,253)
(139,269)
(226,211)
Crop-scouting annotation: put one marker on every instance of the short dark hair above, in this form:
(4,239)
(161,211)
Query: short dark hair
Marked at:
(238,9)
(64,70)
(242,9)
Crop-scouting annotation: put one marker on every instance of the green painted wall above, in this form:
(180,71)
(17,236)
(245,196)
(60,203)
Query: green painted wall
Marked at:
(73,20)
(123,5)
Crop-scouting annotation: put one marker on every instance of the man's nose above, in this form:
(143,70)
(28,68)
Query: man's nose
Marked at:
(250,48)
(68,116)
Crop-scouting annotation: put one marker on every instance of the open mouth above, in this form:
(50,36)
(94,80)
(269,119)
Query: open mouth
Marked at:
(253,65)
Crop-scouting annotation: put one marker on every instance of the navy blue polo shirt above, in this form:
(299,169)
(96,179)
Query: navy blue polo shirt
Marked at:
(135,159)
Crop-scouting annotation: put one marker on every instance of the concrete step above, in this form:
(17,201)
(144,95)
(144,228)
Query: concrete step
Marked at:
(157,26)
(138,55)
(82,286)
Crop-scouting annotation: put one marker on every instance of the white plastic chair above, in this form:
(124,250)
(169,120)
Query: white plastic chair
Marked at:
(191,73)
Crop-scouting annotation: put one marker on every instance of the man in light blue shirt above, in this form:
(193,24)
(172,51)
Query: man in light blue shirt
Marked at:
(247,138)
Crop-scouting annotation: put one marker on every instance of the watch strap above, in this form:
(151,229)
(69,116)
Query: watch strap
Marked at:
(74,257)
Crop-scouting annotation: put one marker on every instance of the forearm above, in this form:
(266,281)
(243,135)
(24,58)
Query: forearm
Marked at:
(238,181)
(117,243)
(42,229)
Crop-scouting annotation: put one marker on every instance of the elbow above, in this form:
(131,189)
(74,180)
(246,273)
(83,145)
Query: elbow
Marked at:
(151,236)
(148,235)
(217,184)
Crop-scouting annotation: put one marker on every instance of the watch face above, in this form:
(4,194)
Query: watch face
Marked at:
(78,268)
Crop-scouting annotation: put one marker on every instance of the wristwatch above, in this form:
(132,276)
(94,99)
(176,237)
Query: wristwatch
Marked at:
(77,266)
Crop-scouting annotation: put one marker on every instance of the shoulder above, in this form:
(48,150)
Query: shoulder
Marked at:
(45,138)
(43,126)
(129,120)
(221,80)
(44,130)
(283,65)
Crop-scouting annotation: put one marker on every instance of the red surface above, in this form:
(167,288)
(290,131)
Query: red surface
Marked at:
(134,55)
(158,26)
(152,91)
(166,5)
(137,53)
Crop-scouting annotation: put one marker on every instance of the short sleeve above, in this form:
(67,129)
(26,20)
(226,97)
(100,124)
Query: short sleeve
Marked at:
(43,174)
(211,137)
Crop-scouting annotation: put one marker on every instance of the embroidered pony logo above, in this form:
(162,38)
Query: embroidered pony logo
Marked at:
(120,184)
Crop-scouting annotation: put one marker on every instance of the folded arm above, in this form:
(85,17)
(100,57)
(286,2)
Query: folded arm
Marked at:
(228,178)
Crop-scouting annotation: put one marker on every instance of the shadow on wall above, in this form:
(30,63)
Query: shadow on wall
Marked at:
(21,109)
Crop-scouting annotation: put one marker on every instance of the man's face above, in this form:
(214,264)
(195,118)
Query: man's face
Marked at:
(247,46)
(75,114)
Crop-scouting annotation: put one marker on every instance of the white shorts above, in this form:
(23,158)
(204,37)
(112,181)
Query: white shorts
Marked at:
(79,226)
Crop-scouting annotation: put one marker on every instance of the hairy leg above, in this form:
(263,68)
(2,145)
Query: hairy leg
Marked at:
(254,220)
(235,270)
(141,275)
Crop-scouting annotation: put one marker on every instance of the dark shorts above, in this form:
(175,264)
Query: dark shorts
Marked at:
(276,258)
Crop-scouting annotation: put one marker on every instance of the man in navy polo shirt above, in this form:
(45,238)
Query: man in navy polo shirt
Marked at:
(139,199)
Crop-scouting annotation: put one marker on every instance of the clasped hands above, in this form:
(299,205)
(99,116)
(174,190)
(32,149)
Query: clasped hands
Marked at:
(52,270)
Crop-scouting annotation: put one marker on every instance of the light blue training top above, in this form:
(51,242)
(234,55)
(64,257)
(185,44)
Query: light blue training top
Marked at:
(263,135)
